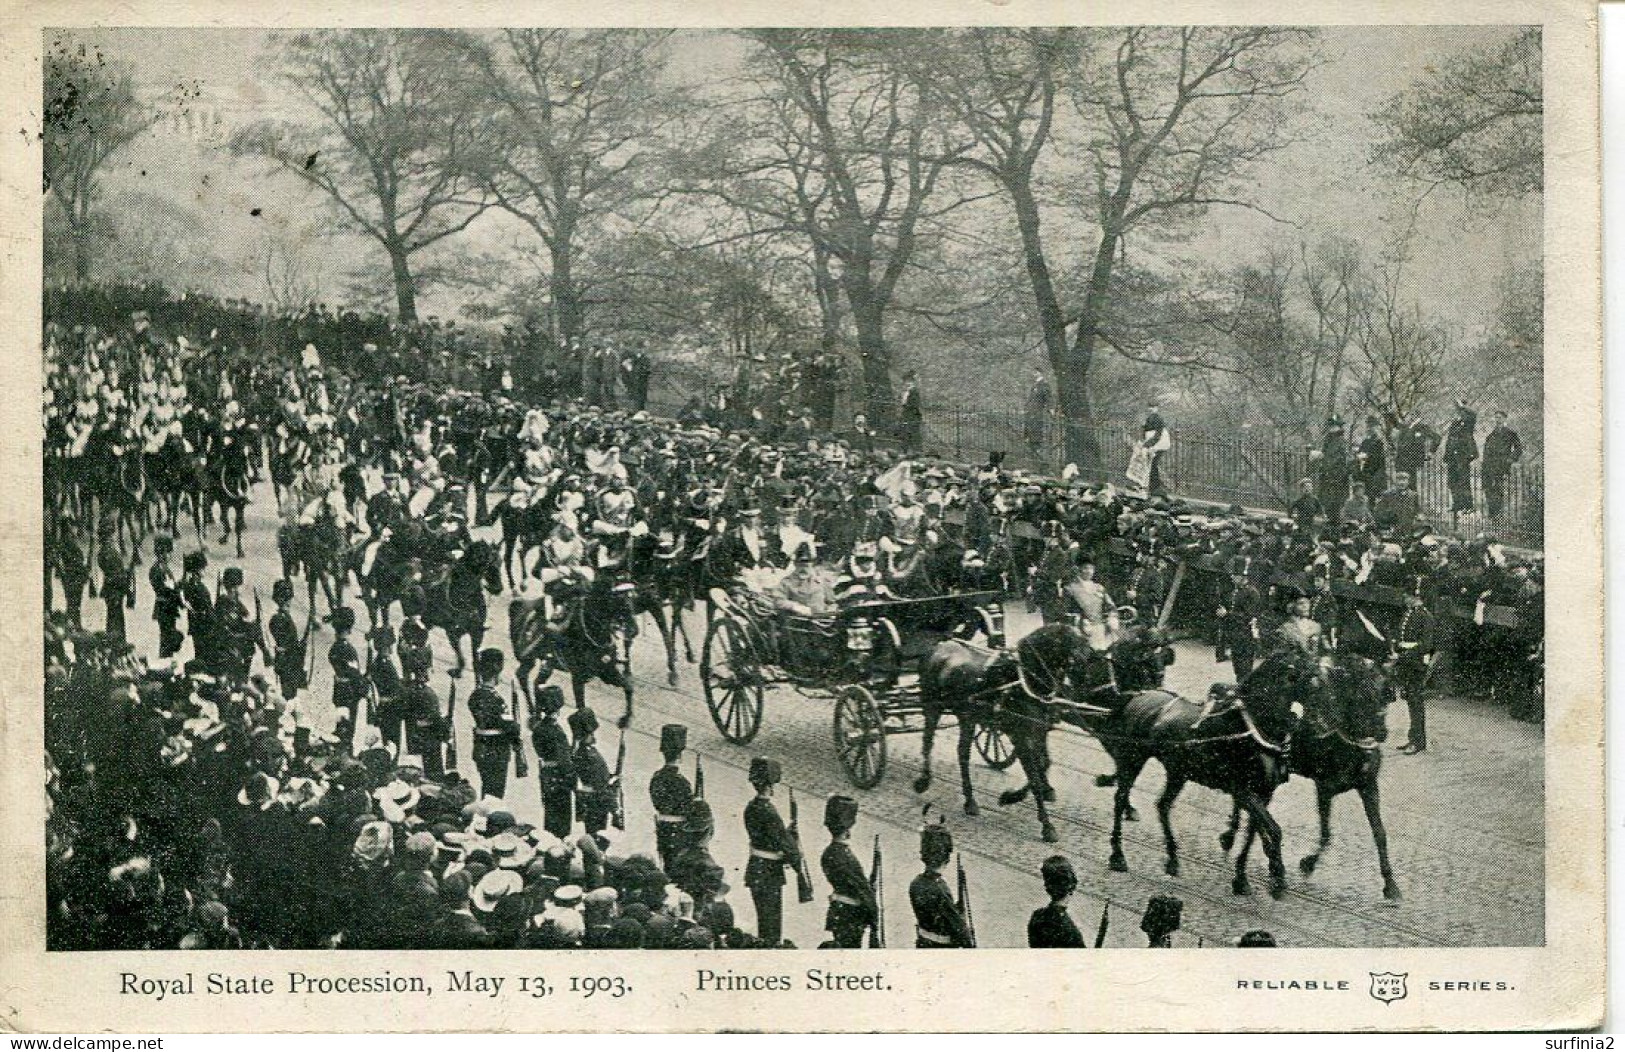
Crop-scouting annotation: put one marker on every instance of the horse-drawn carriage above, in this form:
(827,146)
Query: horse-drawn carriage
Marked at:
(864,657)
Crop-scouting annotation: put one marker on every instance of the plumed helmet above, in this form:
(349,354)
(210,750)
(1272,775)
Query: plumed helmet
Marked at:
(936,844)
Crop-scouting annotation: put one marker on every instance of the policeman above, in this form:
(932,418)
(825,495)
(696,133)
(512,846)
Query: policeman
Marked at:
(771,850)
(852,909)
(288,660)
(692,868)
(349,679)
(670,793)
(166,596)
(426,728)
(496,735)
(1051,927)
(555,764)
(938,922)
(595,787)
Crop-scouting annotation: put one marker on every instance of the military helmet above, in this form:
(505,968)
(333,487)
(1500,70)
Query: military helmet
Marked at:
(840,813)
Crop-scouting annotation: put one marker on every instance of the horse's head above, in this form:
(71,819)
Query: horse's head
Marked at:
(1359,689)
(1057,655)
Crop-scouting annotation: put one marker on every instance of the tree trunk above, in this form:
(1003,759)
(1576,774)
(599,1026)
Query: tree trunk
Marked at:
(869,318)
(1072,371)
(567,312)
(1051,318)
(406,295)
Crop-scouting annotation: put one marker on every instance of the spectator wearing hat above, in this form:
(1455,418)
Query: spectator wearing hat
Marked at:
(1161,920)
(457,928)
(1036,420)
(555,762)
(1308,508)
(1397,509)
(1371,457)
(595,787)
(1414,445)
(1051,927)
(852,908)
(1357,509)
(1460,450)
(771,850)
(910,415)
(166,596)
(1502,449)
(496,735)
(670,793)
(1332,471)
(938,922)
(211,929)
(693,869)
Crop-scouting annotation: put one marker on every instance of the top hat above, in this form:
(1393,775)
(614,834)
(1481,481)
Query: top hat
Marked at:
(673,739)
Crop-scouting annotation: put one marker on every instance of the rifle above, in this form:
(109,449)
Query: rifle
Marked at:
(964,904)
(804,886)
(521,769)
(310,651)
(618,816)
(451,728)
(699,778)
(1105,922)
(877,884)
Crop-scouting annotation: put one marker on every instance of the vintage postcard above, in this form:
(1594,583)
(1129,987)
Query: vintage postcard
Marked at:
(632,516)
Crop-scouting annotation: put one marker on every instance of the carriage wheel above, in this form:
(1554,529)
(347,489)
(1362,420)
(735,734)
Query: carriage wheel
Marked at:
(860,736)
(995,747)
(732,682)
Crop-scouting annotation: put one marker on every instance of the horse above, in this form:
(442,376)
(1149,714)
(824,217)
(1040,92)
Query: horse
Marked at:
(998,690)
(1234,743)
(655,568)
(1338,746)
(455,597)
(593,641)
(320,550)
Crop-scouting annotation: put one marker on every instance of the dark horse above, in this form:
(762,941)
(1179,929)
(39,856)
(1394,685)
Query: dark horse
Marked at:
(593,640)
(1012,693)
(1338,747)
(455,597)
(656,567)
(229,482)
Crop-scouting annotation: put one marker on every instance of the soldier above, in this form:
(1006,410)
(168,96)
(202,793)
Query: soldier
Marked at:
(199,606)
(166,596)
(670,794)
(1415,642)
(385,679)
(426,728)
(1051,927)
(288,660)
(118,581)
(852,908)
(555,766)
(692,868)
(1161,920)
(72,566)
(349,679)
(1238,621)
(938,922)
(496,735)
(595,787)
(237,633)
(771,850)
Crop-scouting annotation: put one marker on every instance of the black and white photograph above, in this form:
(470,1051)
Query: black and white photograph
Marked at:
(796,489)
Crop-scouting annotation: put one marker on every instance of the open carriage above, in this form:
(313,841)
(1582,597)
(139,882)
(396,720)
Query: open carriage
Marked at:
(864,657)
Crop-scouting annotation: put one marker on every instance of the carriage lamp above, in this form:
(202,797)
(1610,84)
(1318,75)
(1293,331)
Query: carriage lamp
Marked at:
(860,635)
(994,613)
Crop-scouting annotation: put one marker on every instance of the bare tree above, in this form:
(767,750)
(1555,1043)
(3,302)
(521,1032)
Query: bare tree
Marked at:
(395,142)
(92,111)
(579,114)
(1473,122)
(1402,357)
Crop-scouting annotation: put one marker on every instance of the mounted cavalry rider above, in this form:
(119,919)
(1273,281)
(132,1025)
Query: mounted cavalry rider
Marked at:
(565,572)
(613,534)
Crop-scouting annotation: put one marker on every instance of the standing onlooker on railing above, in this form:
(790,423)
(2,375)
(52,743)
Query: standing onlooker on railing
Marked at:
(1460,450)
(1413,446)
(1158,439)
(1502,449)
(1333,474)
(910,416)
(1371,457)
(1037,417)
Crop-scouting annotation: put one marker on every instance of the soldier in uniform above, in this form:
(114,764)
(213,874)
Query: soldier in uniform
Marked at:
(1238,621)
(1415,640)
(852,908)
(288,660)
(1051,927)
(68,557)
(771,850)
(118,582)
(349,679)
(496,735)
(166,597)
(692,867)
(237,634)
(1161,920)
(555,765)
(595,787)
(670,793)
(385,679)
(938,922)
(199,606)
(426,728)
